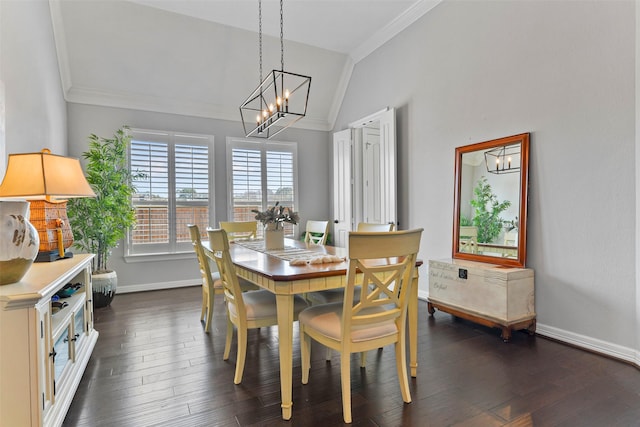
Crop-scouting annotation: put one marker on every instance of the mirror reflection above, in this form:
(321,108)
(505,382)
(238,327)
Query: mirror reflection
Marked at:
(490,200)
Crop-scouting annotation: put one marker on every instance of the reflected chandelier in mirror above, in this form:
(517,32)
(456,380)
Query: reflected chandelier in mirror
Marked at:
(490,201)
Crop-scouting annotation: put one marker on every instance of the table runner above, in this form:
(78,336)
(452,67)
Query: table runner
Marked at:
(288,253)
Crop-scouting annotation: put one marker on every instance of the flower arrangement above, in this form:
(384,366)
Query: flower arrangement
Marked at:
(277,215)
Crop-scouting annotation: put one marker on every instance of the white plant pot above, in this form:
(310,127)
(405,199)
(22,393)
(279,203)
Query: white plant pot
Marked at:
(273,239)
(104,288)
(19,241)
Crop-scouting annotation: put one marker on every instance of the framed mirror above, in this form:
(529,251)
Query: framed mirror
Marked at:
(490,201)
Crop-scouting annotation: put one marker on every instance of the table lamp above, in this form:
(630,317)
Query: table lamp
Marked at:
(46,180)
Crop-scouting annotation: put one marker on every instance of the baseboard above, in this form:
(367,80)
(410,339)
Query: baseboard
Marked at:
(158,286)
(605,348)
(615,351)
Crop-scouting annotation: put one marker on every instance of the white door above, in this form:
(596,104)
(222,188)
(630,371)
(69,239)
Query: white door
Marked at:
(371,176)
(342,181)
(388,200)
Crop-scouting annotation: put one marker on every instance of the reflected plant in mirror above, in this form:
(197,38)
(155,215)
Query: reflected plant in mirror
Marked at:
(487,211)
(490,201)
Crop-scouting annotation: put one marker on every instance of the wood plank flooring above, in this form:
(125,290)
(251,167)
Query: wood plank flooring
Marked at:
(154,366)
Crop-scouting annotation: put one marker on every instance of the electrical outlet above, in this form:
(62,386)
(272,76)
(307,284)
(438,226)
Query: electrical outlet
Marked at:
(462,273)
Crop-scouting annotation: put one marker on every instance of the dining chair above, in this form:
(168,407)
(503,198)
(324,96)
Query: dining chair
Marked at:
(386,262)
(211,283)
(240,229)
(245,310)
(336,295)
(469,239)
(370,226)
(316,232)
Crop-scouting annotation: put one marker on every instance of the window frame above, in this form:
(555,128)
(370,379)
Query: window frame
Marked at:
(263,146)
(172,248)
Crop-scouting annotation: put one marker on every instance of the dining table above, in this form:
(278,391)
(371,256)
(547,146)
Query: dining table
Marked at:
(295,270)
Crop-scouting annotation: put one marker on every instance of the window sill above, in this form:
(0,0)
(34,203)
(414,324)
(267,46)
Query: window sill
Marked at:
(132,259)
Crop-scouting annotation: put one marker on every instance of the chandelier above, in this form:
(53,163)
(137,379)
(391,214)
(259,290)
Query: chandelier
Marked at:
(280,99)
(504,159)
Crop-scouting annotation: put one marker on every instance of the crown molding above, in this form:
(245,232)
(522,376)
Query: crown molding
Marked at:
(89,96)
(386,33)
(60,42)
(341,90)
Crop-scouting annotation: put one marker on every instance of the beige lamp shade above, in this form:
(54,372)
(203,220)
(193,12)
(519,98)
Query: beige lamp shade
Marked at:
(44,176)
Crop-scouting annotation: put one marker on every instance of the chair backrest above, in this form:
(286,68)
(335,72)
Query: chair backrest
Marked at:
(203,261)
(369,226)
(511,238)
(232,293)
(316,232)
(469,239)
(387,262)
(240,229)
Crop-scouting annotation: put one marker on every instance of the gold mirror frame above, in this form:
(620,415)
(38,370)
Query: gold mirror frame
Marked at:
(484,147)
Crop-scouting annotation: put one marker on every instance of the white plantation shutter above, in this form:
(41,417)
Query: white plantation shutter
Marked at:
(246,193)
(262,173)
(174,190)
(151,198)
(192,188)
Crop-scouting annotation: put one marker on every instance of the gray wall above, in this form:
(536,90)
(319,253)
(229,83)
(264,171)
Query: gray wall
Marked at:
(35,115)
(470,71)
(313,178)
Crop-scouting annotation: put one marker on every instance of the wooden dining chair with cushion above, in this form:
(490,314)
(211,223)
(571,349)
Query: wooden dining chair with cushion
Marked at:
(240,229)
(245,310)
(316,232)
(386,262)
(211,283)
(370,226)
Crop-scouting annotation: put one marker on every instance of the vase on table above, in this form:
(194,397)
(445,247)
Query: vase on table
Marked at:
(273,237)
(19,241)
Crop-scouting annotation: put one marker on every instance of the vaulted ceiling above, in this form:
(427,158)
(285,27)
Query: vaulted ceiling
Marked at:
(200,57)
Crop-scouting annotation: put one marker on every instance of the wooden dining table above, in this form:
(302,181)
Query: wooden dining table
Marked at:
(273,271)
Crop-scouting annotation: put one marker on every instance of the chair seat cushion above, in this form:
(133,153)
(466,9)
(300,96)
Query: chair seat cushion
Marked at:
(327,320)
(262,304)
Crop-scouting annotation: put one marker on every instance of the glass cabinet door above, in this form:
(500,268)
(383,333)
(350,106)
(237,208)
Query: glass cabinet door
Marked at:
(62,348)
(79,332)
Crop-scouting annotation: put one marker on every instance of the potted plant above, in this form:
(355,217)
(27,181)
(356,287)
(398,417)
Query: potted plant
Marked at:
(99,223)
(273,220)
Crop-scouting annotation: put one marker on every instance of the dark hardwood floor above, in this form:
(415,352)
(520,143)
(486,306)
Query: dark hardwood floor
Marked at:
(154,366)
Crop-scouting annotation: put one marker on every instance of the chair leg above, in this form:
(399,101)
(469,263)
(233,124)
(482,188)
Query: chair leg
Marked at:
(345,378)
(242,355)
(401,366)
(328,354)
(363,359)
(204,303)
(305,354)
(207,325)
(227,343)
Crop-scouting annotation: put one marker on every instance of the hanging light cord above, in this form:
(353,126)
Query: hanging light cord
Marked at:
(281,38)
(260,37)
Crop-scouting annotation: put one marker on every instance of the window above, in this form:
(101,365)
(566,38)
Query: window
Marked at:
(261,174)
(175,190)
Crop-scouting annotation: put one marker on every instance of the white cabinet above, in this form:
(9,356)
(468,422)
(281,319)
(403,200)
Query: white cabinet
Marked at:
(44,351)
(492,295)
